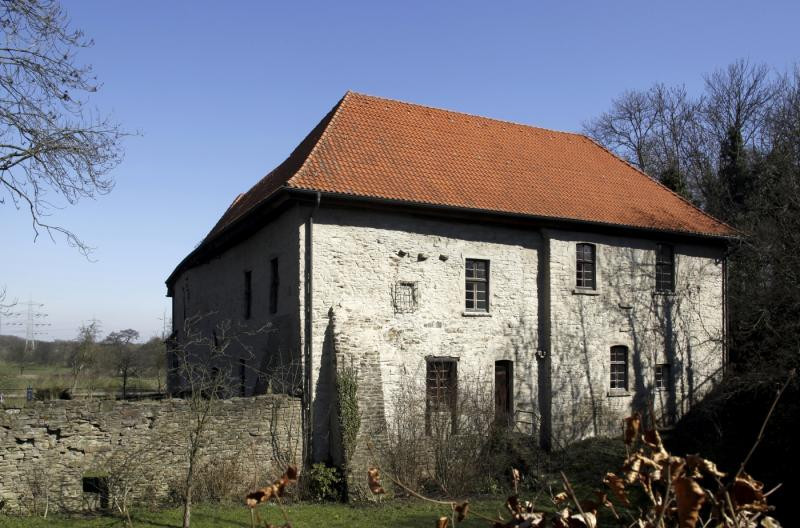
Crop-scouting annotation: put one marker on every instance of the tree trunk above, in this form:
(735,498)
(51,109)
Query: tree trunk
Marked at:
(187,497)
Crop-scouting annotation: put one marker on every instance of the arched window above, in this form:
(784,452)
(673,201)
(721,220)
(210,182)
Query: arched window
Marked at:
(585,266)
(619,367)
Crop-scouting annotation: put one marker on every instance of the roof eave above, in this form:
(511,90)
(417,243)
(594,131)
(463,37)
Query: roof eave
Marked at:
(538,220)
(237,229)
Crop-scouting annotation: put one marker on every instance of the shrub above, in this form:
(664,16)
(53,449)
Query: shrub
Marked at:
(323,483)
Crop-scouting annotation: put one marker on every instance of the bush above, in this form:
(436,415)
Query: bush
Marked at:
(323,483)
(444,452)
(222,480)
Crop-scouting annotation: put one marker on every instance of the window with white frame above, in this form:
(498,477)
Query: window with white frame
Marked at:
(619,367)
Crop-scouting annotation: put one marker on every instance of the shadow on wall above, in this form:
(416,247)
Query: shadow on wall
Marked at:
(657,329)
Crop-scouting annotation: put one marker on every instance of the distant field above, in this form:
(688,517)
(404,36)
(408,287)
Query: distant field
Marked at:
(54,378)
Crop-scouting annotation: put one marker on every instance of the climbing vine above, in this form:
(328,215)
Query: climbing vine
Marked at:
(349,415)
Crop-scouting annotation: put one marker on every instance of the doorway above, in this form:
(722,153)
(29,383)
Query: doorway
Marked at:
(503,391)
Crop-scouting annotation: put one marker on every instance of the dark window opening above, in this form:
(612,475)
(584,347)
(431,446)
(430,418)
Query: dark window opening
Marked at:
(619,367)
(663,376)
(242,376)
(665,268)
(99,486)
(477,285)
(248,294)
(273,286)
(441,391)
(503,392)
(585,266)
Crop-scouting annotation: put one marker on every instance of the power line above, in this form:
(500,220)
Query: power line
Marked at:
(34,321)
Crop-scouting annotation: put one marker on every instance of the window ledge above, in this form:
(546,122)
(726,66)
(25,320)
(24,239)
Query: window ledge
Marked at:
(466,313)
(585,291)
(618,393)
(663,294)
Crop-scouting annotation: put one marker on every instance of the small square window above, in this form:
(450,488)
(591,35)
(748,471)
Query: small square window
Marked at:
(405,297)
(663,376)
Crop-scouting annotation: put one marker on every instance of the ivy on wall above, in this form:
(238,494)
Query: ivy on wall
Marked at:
(349,415)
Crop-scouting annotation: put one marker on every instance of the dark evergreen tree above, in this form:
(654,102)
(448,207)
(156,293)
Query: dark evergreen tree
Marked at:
(734,177)
(672,177)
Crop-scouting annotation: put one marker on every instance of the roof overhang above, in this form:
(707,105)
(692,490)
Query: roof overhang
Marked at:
(285,197)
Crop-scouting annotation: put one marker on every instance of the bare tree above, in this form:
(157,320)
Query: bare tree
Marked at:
(739,96)
(627,128)
(127,360)
(83,354)
(203,365)
(50,140)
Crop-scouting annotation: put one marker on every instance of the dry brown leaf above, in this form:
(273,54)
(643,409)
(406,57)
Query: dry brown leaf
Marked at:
(699,464)
(689,497)
(632,467)
(632,425)
(617,486)
(374,481)
(585,520)
(748,494)
(513,505)
(462,510)
(652,439)
(442,522)
(515,477)
(560,497)
(291,473)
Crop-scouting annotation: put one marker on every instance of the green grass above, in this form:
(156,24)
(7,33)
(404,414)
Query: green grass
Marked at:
(59,377)
(396,513)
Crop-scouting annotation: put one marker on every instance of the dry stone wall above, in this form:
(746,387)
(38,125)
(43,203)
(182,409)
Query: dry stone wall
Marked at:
(51,451)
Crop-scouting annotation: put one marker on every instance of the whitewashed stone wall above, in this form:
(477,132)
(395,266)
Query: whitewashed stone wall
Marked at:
(358,259)
(360,256)
(683,330)
(558,340)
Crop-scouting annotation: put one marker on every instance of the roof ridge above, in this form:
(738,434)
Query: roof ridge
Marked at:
(640,171)
(467,114)
(338,109)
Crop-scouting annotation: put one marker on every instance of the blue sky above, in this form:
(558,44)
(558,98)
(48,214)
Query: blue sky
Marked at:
(221,92)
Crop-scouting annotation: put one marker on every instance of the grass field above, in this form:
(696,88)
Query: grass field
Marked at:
(56,378)
(399,513)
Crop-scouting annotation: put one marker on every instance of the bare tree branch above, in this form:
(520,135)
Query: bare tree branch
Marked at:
(51,142)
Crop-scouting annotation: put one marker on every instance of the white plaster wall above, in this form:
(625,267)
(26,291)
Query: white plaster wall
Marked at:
(585,327)
(214,291)
(356,265)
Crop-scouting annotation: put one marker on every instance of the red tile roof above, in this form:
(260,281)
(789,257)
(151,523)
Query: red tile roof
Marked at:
(378,148)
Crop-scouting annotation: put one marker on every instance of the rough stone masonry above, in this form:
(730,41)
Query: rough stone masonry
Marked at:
(60,452)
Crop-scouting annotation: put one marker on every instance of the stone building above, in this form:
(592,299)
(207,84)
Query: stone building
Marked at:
(437,250)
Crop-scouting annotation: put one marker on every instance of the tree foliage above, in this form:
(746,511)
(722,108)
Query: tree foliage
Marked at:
(740,154)
(54,149)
